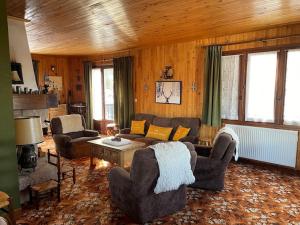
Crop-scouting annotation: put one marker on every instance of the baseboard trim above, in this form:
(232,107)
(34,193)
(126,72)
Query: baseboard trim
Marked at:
(268,165)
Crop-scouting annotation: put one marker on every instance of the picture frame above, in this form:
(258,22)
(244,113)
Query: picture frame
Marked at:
(168,92)
(16,71)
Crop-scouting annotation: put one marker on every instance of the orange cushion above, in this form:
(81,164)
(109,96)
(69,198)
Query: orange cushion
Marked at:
(137,127)
(161,133)
(181,132)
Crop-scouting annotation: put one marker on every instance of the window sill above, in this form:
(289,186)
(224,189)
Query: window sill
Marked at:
(260,124)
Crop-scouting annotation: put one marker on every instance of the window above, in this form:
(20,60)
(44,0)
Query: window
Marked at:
(109,93)
(103,93)
(260,86)
(292,90)
(230,86)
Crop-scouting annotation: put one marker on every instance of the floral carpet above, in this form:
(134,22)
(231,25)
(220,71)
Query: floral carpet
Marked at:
(253,194)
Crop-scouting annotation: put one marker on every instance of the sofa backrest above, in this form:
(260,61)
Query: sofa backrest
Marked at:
(223,146)
(144,170)
(193,123)
(56,127)
(148,117)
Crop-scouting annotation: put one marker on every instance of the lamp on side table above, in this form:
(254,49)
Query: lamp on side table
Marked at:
(28,133)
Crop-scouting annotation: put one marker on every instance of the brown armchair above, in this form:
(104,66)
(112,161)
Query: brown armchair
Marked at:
(134,192)
(72,145)
(210,171)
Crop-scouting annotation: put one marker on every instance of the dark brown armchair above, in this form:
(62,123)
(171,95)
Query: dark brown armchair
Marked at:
(72,145)
(210,171)
(134,192)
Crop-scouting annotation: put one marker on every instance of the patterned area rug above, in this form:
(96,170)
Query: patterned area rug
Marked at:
(252,195)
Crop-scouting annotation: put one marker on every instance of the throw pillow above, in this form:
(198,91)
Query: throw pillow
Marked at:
(181,132)
(137,127)
(161,133)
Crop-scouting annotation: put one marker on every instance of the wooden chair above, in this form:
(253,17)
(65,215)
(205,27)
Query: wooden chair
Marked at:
(6,206)
(63,171)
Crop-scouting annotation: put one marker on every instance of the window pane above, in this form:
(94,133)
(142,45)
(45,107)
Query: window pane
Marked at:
(97,94)
(230,86)
(260,87)
(292,90)
(109,93)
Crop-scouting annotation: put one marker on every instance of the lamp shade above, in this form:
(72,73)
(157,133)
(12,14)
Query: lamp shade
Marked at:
(28,130)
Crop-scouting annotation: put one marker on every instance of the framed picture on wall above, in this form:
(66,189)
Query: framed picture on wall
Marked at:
(168,92)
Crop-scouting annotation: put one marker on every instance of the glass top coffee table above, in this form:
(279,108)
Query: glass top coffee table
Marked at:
(121,155)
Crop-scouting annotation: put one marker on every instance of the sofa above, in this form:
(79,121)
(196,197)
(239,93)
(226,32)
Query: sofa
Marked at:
(72,145)
(210,171)
(134,193)
(193,123)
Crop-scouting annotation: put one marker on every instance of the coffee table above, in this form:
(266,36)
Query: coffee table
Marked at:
(121,155)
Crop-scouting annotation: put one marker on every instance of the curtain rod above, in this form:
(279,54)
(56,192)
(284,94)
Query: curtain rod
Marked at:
(249,41)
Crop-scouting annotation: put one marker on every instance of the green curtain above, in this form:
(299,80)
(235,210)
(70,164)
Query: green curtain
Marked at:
(123,91)
(88,94)
(212,89)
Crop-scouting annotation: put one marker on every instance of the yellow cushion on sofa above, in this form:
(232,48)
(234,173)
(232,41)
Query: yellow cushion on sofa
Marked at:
(161,133)
(181,132)
(137,127)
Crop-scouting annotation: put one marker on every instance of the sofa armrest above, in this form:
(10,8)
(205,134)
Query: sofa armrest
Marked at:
(204,163)
(125,131)
(90,133)
(119,179)
(191,139)
(61,139)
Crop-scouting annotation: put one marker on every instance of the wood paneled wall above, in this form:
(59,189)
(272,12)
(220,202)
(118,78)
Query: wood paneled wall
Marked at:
(61,64)
(187,59)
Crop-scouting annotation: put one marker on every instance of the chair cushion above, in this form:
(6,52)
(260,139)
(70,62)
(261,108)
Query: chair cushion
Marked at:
(137,127)
(181,132)
(83,139)
(160,133)
(71,123)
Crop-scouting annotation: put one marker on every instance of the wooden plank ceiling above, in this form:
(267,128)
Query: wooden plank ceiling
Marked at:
(77,27)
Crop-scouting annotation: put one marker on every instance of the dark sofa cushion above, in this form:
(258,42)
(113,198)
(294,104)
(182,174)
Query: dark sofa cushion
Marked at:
(162,122)
(147,141)
(130,136)
(193,123)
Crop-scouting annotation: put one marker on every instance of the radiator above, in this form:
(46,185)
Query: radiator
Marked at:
(267,145)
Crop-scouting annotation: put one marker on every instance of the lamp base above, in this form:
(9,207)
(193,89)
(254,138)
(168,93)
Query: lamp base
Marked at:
(28,158)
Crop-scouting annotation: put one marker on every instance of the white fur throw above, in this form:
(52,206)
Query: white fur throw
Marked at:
(71,123)
(174,162)
(234,136)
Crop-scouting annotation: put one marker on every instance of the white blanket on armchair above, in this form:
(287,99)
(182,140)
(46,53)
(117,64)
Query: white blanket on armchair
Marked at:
(174,162)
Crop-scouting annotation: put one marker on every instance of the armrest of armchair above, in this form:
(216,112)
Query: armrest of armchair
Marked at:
(203,150)
(61,139)
(90,133)
(125,131)
(204,163)
(192,139)
(119,179)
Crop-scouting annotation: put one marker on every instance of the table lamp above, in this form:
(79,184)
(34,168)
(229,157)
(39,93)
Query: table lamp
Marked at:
(28,133)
